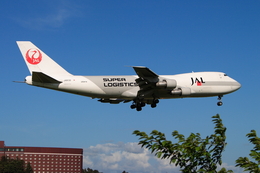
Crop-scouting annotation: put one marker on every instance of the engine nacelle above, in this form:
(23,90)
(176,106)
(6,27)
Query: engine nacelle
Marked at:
(181,91)
(169,83)
(110,100)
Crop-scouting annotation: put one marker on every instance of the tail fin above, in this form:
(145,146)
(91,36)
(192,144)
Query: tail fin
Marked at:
(37,61)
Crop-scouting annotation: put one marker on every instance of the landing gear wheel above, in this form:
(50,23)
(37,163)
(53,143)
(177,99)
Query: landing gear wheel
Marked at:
(153,105)
(219,103)
(138,108)
(156,101)
(137,104)
(133,106)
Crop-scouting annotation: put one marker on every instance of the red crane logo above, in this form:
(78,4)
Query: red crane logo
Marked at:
(33,56)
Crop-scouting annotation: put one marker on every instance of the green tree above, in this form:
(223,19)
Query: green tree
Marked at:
(244,162)
(8,165)
(223,170)
(28,168)
(192,154)
(88,170)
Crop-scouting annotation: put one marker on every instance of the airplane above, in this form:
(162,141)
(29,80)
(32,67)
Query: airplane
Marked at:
(146,87)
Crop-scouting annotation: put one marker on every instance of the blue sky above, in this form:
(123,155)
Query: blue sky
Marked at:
(105,38)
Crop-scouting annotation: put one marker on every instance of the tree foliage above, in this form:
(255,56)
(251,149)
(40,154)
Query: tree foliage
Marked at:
(28,169)
(8,165)
(192,154)
(88,170)
(223,170)
(244,162)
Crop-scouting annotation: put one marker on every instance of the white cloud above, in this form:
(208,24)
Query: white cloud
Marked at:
(115,158)
(88,161)
(51,17)
(231,167)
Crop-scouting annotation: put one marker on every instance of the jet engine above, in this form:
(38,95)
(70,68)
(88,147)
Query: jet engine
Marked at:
(169,83)
(181,91)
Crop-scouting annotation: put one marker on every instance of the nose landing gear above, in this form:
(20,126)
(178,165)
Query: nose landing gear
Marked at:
(220,103)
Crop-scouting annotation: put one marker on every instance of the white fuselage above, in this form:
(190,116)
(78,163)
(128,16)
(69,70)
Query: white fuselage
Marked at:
(200,84)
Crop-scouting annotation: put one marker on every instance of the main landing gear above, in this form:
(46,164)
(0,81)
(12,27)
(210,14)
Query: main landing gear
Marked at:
(220,102)
(154,103)
(137,104)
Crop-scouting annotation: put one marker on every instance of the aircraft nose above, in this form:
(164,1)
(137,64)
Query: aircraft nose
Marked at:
(235,85)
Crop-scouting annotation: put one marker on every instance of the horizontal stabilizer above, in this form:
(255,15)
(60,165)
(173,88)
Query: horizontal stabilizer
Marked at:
(43,78)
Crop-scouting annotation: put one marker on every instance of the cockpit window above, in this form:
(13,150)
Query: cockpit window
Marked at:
(225,74)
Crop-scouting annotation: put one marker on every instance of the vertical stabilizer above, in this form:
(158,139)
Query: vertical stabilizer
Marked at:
(37,61)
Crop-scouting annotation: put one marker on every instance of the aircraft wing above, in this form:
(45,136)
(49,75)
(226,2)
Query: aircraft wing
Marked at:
(145,72)
(147,81)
